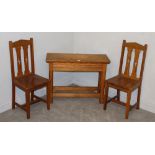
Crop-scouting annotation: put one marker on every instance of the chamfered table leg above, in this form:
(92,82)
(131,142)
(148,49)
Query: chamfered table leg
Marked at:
(102,84)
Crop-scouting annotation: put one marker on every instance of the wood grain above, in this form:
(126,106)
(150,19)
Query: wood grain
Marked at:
(76,58)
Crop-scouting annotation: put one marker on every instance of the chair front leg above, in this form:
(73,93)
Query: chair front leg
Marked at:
(118,95)
(106,96)
(48,94)
(138,98)
(27,95)
(13,96)
(128,105)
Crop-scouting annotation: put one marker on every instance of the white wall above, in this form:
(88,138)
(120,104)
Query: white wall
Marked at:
(43,43)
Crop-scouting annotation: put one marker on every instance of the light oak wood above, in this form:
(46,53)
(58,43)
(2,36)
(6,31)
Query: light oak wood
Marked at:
(115,100)
(76,58)
(74,88)
(25,78)
(126,81)
(77,95)
(77,67)
(60,62)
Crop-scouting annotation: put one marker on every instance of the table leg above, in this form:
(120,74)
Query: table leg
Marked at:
(102,84)
(51,81)
(99,82)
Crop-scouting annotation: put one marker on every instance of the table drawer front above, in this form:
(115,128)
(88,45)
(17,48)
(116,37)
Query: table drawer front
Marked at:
(77,67)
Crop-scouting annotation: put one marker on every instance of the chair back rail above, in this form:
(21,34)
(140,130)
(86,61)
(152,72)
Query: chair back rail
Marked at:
(28,53)
(137,49)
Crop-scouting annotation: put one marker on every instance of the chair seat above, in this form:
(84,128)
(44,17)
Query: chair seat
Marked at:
(123,83)
(31,82)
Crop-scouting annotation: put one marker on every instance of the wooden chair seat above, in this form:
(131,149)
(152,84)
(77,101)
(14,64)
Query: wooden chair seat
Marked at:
(31,82)
(123,83)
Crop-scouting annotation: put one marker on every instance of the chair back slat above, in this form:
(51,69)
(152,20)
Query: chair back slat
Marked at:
(25,46)
(128,61)
(19,62)
(132,49)
(26,60)
(135,64)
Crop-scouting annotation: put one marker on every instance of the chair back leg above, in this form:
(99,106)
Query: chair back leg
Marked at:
(118,95)
(106,96)
(48,93)
(13,96)
(32,96)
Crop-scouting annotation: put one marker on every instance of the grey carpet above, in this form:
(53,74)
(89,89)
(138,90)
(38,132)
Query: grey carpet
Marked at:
(76,110)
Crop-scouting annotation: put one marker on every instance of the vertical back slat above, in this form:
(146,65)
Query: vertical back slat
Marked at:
(26,60)
(127,67)
(135,64)
(19,63)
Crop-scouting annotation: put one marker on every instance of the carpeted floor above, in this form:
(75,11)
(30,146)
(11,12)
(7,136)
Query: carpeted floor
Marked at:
(76,110)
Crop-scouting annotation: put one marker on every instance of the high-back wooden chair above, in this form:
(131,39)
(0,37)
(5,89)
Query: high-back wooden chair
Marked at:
(23,74)
(128,79)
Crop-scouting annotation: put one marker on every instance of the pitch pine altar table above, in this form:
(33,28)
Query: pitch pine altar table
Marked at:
(60,62)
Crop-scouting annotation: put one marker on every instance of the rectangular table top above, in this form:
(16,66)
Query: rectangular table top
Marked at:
(76,58)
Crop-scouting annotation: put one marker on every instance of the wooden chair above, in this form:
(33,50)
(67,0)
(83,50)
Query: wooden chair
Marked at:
(128,80)
(26,80)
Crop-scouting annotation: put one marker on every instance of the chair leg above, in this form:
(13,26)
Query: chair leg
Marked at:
(128,105)
(51,85)
(32,96)
(48,95)
(106,96)
(138,98)
(13,96)
(27,95)
(118,95)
